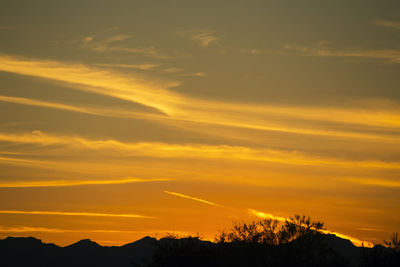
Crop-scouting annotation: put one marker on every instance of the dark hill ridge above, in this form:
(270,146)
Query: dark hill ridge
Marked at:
(84,244)
(29,251)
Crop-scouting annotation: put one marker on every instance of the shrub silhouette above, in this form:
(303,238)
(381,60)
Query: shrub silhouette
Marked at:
(272,232)
(394,242)
(293,242)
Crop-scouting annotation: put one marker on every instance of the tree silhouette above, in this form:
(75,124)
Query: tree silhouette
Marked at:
(271,232)
(394,242)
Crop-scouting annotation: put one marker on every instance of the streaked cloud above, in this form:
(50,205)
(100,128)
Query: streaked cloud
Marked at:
(63,213)
(129,66)
(380,182)
(203,38)
(61,183)
(115,43)
(29,229)
(388,55)
(165,150)
(179,108)
(32,229)
(101,81)
(192,198)
(99,111)
(388,24)
(195,74)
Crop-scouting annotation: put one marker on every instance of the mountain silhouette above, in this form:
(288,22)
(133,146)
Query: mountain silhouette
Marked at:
(29,251)
(191,251)
(84,244)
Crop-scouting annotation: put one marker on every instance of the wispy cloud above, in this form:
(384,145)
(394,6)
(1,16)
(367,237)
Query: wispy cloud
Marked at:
(192,198)
(62,183)
(63,213)
(115,43)
(105,82)
(205,38)
(99,111)
(32,229)
(388,55)
(388,24)
(181,108)
(165,150)
(381,182)
(194,74)
(129,66)
(29,229)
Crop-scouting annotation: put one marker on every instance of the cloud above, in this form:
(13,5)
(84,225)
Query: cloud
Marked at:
(354,240)
(31,229)
(192,198)
(113,43)
(380,182)
(195,74)
(62,213)
(388,24)
(129,66)
(388,55)
(28,229)
(205,38)
(165,150)
(179,108)
(105,82)
(62,183)
(105,112)
(256,51)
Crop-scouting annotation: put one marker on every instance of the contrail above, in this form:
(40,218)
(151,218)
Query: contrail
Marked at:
(263,215)
(192,198)
(354,240)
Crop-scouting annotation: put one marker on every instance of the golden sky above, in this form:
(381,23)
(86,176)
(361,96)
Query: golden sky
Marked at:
(121,119)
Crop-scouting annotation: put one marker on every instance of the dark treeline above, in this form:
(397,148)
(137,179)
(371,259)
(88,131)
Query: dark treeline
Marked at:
(294,242)
(297,242)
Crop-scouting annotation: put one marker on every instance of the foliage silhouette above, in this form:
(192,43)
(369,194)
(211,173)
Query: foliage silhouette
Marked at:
(293,242)
(394,242)
(297,241)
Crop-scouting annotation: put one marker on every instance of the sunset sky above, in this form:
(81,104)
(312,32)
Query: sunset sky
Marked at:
(121,119)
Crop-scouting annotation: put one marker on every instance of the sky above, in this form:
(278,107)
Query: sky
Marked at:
(121,119)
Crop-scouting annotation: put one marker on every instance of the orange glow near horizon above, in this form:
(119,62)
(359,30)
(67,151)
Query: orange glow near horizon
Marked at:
(126,126)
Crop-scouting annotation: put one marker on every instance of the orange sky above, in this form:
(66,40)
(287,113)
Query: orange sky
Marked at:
(126,119)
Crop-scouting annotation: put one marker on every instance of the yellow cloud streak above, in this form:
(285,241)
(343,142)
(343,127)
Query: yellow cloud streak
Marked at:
(321,51)
(61,183)
(100,81)
(264,215)
(180,108)
(164,150)
(354,240)
(192,198)
(311,114)
(86,110)
(62,213)
(28,229)
(373,182)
